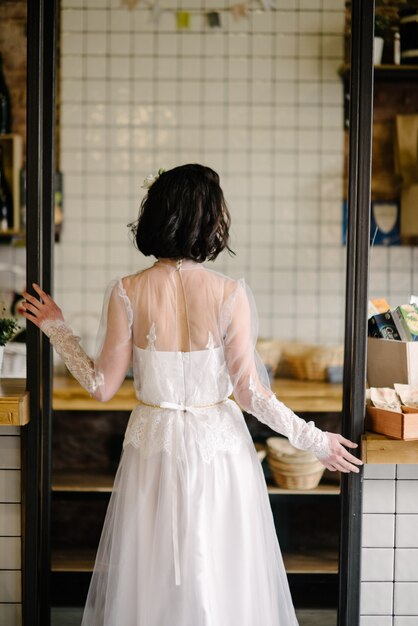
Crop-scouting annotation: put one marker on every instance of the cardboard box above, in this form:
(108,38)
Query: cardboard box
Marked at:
(402,425)
(390,362)
(409,211)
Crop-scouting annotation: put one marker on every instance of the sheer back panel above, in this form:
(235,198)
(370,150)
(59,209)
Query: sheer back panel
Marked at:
(178,309)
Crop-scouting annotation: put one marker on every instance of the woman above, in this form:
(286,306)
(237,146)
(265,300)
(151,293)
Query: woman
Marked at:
(189,537)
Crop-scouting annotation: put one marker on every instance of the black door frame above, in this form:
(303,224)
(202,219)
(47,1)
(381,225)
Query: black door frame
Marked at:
(358,238)
(42,34)
(40,164)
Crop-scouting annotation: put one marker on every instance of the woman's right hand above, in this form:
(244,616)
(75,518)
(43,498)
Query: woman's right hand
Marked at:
(37,311)
(339,458)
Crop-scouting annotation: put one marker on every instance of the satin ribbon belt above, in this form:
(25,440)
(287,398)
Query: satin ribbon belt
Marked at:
(184,408)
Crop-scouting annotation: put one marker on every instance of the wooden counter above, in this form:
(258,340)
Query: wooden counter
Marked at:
(301,396)
(377,448)
(14,402)
(306,396)
(69,395)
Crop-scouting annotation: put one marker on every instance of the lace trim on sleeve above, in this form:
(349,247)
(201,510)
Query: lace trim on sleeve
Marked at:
(129,312)
(228,306)
(276,415)
(77,361)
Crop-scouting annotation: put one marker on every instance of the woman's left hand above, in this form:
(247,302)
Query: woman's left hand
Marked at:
(339,458)
(37,311)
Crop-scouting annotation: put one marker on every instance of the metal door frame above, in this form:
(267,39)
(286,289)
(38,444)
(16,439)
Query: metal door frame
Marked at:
(36,439)
(355,346)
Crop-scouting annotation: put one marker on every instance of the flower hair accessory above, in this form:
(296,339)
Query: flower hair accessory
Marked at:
(151,178)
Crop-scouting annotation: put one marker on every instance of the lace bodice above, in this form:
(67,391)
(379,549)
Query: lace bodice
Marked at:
(191,333)
(197,378)
(185,392)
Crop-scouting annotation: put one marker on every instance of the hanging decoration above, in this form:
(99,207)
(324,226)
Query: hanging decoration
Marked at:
(130,4)
(267,4)
(239,11)
(213,19)
(156,11)
(183,20)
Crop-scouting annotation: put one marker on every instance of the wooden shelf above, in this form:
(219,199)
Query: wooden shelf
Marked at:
(81,482)
(396,72)
(321,490)
(76,482)
(68,560)
(377,448)
(391,73)
(307,396)
(302,396)
(14,402)
(69,395)
(312,562)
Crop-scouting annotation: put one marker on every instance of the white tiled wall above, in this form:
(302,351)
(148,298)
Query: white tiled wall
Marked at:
(389,587)
(10,527)
(259,100)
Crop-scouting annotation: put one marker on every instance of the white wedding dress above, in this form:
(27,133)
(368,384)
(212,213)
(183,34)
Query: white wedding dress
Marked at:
(189,536)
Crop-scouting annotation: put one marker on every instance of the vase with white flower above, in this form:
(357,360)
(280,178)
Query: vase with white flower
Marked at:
(8,329)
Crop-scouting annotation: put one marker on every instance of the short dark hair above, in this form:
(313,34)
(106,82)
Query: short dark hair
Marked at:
(184,216)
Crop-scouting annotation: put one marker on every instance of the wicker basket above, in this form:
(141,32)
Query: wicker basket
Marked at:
(314,361)
(281,449)
(292,468)
(295,459)
(270,351)
(305,481)
(290,349)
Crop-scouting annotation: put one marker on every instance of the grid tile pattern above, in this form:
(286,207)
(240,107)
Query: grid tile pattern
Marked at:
(259,100)
(10,527)
(389,570)
(394,273)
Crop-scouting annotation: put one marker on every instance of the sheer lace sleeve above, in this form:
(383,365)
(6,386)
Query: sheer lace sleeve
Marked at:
(102,375)
(250,379)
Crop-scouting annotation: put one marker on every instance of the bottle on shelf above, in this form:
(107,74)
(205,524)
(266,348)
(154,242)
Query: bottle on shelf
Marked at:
(58,205)
(5,110)
(396,47)
(6,199)
(22,197)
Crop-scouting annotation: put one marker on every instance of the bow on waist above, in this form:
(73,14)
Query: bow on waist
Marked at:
(174,406)
(179,406)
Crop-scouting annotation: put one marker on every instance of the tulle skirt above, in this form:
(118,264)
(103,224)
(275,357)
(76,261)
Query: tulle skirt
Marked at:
(229,559)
